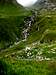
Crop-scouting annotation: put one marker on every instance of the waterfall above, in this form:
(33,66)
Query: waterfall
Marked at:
(28,22)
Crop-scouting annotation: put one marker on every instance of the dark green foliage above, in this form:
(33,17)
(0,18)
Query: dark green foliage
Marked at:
(10,29)
(3,68)
(11,24)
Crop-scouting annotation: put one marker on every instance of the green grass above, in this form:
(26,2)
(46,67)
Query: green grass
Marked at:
(36,35)
(25,67)
(13,49)
(45,22)
(12,10)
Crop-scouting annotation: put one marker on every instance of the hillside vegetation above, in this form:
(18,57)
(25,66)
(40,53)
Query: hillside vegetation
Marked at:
(35,55)
(11,23)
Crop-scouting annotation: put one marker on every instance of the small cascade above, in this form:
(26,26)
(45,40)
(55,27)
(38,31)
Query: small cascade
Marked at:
(25,34)
(28,22)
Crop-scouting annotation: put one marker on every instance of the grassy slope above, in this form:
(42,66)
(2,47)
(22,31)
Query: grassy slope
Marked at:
(7,10)
(47,28)
(11,23)
(32,67)
(28,67)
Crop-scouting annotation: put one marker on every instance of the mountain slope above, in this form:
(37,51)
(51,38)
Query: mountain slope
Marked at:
(7,10)
(31,56)
(11,23)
